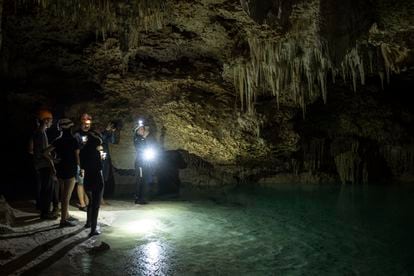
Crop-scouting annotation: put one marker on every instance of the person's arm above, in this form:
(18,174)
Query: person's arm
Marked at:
(108,135)
(48,156)
(81,171)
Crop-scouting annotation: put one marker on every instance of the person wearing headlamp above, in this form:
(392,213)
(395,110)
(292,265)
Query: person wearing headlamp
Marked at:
(82,136)
(145,157)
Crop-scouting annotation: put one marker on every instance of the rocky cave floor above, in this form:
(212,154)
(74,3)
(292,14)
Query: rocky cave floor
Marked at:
(29,244)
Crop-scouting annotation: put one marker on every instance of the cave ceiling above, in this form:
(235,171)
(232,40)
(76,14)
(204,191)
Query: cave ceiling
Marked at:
(223,79)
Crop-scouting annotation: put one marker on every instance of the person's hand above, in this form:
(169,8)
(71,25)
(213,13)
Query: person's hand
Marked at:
(110,127)
(82,173)
(103,155)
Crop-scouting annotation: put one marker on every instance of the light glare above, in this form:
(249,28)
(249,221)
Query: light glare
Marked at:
(149,154)
(140,226)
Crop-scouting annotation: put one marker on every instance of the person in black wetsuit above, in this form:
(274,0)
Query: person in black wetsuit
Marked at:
(44,166)
(108,137)
(67,152)
(91,166)
(81,136)
(143,162)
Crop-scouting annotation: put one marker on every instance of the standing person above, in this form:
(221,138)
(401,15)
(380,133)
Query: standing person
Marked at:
(66,148)
(82,137)
(108,137)
(143,162)
(44,166)
(91,167)
(52,134)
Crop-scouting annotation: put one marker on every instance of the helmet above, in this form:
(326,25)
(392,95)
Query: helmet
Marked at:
(65,123)
(44,114)
(86,118)
(139,125)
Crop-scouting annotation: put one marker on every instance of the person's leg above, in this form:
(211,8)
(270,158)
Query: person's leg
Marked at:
(82,196)
(55,195)
(138,184)
(67,187)
(95,202)
(146,179)
(105,173)
(45,192)
(89,209)
(38,190)
(80,190)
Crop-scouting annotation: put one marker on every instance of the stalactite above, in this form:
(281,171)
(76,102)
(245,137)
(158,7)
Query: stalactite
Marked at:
(400,159)
(313,154)
(392,56)
(297,65)
(282,67)
(345,164)
(352,67)
(103,15)
(350,166)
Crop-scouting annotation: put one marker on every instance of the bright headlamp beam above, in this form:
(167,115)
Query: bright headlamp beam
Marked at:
(149,154)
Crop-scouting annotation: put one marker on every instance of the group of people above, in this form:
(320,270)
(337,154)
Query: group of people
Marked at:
(72,158)
(82,158)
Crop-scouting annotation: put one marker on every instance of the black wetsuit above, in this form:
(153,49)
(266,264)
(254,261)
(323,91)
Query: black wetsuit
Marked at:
(143,169)
(44,172)
(108,137)
(93,182)
(65,148)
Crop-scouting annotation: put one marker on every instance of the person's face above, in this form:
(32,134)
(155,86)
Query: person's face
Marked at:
(141,131)
(48,122)
(86,126)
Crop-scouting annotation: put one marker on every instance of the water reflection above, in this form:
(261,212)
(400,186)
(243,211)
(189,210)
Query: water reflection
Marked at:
(150,259)
(85,264)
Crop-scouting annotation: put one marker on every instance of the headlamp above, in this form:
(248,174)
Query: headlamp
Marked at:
(140,123)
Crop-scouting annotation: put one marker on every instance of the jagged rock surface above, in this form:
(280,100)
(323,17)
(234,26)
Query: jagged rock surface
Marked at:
(188,80)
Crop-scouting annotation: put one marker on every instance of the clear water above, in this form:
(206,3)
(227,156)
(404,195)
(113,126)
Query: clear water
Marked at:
(287,231)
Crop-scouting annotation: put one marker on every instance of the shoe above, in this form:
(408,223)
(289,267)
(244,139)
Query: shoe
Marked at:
(66,223)
(84,208)
(94,233)
(70,218)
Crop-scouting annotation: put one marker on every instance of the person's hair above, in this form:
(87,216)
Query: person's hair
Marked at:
(85,118)
(44,114)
